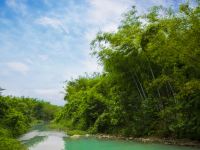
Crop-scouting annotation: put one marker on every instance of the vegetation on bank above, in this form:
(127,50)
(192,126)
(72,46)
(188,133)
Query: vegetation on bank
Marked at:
(62,126)
(17,114)
(11,144)
(150,83)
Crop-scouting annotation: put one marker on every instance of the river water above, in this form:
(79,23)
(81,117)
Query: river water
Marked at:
(53,140)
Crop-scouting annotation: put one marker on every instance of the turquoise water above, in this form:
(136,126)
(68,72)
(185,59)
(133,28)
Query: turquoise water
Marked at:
(53,140)
(97,144)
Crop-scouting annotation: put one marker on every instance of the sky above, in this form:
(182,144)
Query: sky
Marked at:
(43,43)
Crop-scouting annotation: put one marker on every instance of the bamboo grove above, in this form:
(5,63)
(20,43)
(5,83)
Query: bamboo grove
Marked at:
(150,81)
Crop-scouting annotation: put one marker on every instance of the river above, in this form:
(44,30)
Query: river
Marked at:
(38,139)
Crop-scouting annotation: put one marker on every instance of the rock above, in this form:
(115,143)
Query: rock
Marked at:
(87,135)
(145,140)
(75,136)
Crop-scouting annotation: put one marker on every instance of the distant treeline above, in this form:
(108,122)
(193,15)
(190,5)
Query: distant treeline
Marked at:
(17,115)
(150,85)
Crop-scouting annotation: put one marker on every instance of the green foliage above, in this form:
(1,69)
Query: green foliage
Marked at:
(151,79)
(16,122)
(75,132)
(10,144)
(4,132)
(16,116)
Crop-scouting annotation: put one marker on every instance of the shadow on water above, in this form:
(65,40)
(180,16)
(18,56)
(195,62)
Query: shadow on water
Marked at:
(42,138)
(34,141)
(43,126)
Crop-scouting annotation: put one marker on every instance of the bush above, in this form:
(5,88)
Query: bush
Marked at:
(11,144)
(4,132)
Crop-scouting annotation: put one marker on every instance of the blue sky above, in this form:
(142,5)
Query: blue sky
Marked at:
(46,42)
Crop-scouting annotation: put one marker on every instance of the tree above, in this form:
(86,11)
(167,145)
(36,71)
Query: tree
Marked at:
(1,89)
(150,82)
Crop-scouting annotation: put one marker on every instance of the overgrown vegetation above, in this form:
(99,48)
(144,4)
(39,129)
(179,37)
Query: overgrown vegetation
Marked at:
(150,84)
(16,117)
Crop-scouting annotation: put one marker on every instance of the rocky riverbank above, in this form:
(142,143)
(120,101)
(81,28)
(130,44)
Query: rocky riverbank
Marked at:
(168,141)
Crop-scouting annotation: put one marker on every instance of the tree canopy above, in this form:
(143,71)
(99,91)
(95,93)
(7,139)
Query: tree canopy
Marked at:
(17,114)
(150,83)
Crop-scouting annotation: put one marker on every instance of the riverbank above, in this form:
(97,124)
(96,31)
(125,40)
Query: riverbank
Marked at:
(70,132)
(57,140)
(167,141)
(73,133)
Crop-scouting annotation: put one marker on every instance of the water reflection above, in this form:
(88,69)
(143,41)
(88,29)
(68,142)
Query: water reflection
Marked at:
(53,140)
(51,143)
(34,141)
(42,140)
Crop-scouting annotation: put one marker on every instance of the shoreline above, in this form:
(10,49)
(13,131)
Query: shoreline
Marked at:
(166,141)
(151,139)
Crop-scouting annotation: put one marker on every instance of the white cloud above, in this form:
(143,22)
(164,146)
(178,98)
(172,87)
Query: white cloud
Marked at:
(11,3)
(19,67)
(53,95)
(91,66)
(46,21)
(110,27)
(104,11)
(70,74)
(104,15)
(43,57)
(46,92)
(90,34)
(29,61)
(47,2)
(18,6)
(52,22)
